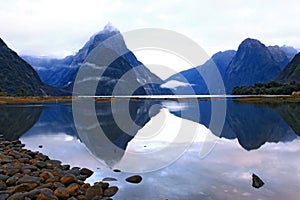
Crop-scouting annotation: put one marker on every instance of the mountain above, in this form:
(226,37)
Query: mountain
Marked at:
(289,51)
(279,56)
(17,77)
(192,76)
(62,73)
(291,72)
(52,71)
(253,63)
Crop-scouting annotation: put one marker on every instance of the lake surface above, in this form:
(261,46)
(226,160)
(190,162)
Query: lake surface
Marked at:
(169,144)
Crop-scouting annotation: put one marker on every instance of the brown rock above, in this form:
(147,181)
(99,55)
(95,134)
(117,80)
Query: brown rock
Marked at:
(87,172)
(75,171)
(53,163)
(58,184)
(31,167)
(46,185)
(256,181)
(5,161)
(17,196)
(82,177)
(58,173)
(3,186)
(12,180)
(3,177)
(10,170)
(85,186)
(26,171)
(104,185)
(74,189)
(40,164)
(93,191)
(81,197)
(65,167)
(62,193)
(24,160)
(29,179)
(36,174)
(134,179)
(14,154)
(41,157)
(16,142)
(46,194)
(33,193)
(68,179)
(109,179)
(111,191)
(52,179)
(97,198)
(72,198)
(24,187)
(46,174)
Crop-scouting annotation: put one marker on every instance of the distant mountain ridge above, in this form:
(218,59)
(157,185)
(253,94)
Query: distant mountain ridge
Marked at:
(17,77)
(220,60)
(252,63)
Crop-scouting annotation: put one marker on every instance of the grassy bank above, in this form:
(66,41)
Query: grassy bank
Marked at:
(268,99)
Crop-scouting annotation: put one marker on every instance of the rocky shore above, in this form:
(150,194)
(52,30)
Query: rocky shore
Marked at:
(25,174)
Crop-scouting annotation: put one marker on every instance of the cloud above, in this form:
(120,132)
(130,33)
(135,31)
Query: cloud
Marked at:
(58,28)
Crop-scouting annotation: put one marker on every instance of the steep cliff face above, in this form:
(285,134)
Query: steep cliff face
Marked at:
(291,72)
(17,77)
(253,63)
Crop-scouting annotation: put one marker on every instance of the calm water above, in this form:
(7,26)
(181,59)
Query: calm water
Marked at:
(168,143)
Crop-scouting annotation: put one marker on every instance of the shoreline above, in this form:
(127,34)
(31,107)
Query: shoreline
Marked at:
(238,98)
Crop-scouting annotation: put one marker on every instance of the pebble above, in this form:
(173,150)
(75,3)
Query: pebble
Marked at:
(109,179)
(256,181)
(134,179)
(111,191)
(68,179)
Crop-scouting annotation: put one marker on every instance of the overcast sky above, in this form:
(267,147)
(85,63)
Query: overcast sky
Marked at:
(58,28)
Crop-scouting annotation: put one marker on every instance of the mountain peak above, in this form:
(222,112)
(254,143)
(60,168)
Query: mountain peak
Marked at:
(108,31)
(109,27)
(251,43)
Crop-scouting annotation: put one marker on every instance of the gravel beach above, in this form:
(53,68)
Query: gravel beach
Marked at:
(25,174)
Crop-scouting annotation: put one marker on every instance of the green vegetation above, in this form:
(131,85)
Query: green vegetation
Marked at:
(270,88)
(291,72)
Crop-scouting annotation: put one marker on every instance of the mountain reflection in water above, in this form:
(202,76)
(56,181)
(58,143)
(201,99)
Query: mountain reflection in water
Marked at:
(252,124)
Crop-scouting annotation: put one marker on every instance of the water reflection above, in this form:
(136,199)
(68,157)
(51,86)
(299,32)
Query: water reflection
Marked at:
(290,113)
(107,136)
(108,145)
(253,124)
(15,120)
